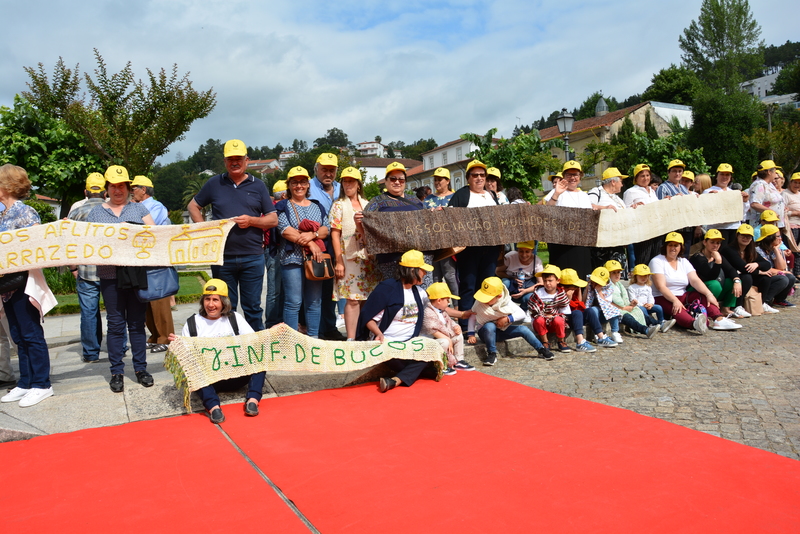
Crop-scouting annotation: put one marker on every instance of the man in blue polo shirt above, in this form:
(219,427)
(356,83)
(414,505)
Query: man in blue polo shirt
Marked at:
(245,200)
(325,189)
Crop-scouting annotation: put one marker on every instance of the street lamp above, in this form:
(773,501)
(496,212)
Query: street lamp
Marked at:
(565,122)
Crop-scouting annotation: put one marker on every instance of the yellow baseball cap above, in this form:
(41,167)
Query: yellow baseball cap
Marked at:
(116,174)
(613,265)
(95,182)
(689,175)
(439,290)
(766,165)
(795,176)
(600,276)
(725,167)
(326,158)
(475,163)
(279,186)
(490,288)
(351,172)
(550,269)
(297,171)
(414,258)
(613,172)
(779,171)
(569,277)
(641,270)
(639,168)
(442,172)
(713,234)
(493,171)
(746,229)
(767,230)
(556,175)
(141,180)
(220,287)
(571,164)
(526,244)
(235,147)
(676,163)
(395,166)
(769,216)
(674,237)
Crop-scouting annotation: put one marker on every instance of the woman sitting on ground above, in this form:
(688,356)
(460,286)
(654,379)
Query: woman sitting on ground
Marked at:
(716,272)
(518,272)
(671,274)
(215,319)
(769,248)
(751,269)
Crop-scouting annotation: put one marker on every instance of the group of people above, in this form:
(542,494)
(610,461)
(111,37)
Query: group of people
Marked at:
(485,292)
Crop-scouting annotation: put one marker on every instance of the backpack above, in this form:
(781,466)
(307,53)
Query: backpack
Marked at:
(695,308)
(191,322)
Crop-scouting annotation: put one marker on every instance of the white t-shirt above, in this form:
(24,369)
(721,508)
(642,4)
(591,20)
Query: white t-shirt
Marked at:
(217,328)
(641,294)
(402,326)
(479,200)
(637,194)
(514,266)
(676,279)
(601,197)
(571,199)
(547,297)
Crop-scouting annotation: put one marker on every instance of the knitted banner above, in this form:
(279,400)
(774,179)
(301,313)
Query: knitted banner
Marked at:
(67,242)
(196,362)
(497,225)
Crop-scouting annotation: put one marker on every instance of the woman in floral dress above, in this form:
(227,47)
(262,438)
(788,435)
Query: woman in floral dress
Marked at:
(356,274)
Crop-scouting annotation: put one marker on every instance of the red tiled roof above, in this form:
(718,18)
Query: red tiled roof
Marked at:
(46,199)
(592,122)
(415,170)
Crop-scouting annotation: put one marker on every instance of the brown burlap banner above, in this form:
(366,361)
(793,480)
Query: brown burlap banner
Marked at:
(497,225)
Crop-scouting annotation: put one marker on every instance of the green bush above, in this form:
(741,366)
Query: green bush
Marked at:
(60,280)
(44,210)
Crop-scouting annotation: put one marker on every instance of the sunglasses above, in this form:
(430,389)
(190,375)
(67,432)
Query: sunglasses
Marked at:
(396,179)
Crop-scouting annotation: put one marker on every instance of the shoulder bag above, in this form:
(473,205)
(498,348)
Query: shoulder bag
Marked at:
(315,270)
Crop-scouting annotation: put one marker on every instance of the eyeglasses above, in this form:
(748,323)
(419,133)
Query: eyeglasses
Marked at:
(304,183)
(396,179)
(477,175)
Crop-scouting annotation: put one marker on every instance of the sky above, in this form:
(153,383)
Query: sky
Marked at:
(404,70)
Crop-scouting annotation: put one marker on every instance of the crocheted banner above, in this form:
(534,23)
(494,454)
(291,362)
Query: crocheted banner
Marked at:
(196,362)
(67,242)
(497,225)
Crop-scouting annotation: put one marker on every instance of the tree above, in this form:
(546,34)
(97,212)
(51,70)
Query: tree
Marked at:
(299,146)
(781,144)
(723,45)
(169,182)
(720,123)
(208,156)
(674,85)
(378,139)
(782,55)
(335,137)
(649,127)
(124,121)
(521,160)
(587,109)
(416,149)
(788,81)
(55,157)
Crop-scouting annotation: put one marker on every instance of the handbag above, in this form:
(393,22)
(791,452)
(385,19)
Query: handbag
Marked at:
(318,270)
(162,282)
(13,281)
(752,302)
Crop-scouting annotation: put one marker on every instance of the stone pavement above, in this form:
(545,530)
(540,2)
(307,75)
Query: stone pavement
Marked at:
(741,385)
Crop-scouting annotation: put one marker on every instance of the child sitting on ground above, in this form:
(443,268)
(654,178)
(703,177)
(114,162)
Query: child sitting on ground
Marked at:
(437,324)
(639,291)
(614,306)
(573,285)
(497,319)
(517,272)
(548,306)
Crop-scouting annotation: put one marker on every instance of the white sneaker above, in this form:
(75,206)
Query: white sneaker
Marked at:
(700,324)
(616,337)
(667,324)
(15,395)
(35,396)
(740,313)
(769,309)
(725,324)
(340,321)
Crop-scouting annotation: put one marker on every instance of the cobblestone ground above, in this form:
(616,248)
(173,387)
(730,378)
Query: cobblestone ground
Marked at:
(741,385)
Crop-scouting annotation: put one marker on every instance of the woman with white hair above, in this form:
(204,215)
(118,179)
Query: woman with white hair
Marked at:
(606,196)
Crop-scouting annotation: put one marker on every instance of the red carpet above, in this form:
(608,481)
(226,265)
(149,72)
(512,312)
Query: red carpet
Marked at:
(170,475)
(469,454)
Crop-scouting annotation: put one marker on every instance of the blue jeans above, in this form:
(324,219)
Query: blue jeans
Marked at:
(490,335)
(592,316)
(626,318)
(91,323)
(123,310)
(297,290)
(255,387)
(244,275)
(575,320)
(658,310)
(26,330)
(523,302)
(273,312)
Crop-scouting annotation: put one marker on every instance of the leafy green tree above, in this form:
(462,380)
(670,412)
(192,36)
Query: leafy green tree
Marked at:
(169,182)
(720,123)
(416,149)
(299,146)
(209,156)
(781,55)
(649,127)
(723,45)
(622,156)
(631,101)
(334,137)
(43,209)
(781,144)
(788,81)
(124,120)
(587,109)
(674,85)
(55,157)
(521,160)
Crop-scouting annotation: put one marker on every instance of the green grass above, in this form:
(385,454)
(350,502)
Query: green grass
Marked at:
(191,287)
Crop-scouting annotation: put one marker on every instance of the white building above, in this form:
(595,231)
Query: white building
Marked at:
(452,156)
(371,149)
(284,157)
(762,88)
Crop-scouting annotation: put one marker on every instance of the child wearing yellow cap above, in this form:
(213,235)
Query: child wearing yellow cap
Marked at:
(641,292)
(632,316)
(517,272)
(438,324)
(549,306)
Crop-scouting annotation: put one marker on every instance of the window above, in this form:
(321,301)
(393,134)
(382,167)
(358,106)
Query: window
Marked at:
(458,180)
(458,154)
(430,162)
(444,158)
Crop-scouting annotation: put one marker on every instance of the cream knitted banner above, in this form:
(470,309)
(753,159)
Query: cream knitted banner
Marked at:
(196,362)
(69,242)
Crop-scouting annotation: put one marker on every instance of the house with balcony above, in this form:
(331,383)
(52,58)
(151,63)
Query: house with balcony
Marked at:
(452,156)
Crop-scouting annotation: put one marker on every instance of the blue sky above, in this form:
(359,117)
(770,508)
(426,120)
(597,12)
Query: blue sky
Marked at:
(403,70)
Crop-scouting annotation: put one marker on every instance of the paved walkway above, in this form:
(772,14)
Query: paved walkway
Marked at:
(742,385)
